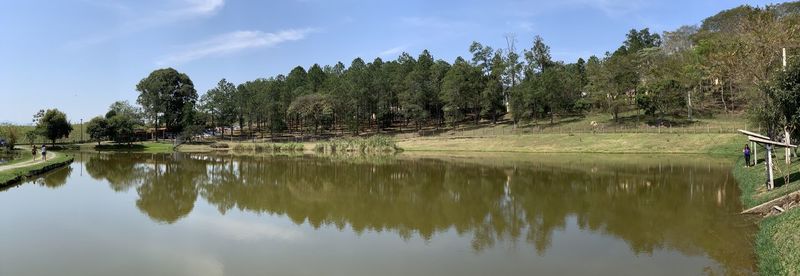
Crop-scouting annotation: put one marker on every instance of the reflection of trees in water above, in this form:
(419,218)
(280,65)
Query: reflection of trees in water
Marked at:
(169,190)
(123,171)
(167,185)
(56,178)
(650,207)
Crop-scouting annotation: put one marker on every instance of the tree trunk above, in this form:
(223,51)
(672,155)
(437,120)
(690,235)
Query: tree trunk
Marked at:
(722,96)
(155,129)
(787,150)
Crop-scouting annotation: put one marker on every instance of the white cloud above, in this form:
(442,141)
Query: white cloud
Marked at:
(242,230)
(200,7)
(234,42)
(392,51)
(141,19)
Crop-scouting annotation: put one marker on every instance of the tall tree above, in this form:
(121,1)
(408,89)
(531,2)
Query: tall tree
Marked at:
(165,95)
(492,96)
(538,57)
(53,124)
(415,98)
(97,128)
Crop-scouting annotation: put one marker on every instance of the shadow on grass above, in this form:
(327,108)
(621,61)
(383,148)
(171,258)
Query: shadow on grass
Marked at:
(781,181)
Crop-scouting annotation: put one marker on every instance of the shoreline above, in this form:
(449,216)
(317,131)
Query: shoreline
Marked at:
(600,143)
(770,241)
(16,175)
(777,247)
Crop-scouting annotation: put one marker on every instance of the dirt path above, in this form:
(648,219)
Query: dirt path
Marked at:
(50,155)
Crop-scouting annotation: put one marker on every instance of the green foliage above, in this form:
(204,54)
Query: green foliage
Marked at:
(10,134)
(97,128)
(779,107)
(373,144)
(52,124)
(10,175)
(119,124)
(268,147)
(314,111)
(461,91)
(121,128)
(164,95)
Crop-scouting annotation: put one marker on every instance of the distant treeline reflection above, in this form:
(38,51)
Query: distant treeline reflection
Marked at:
(651,207)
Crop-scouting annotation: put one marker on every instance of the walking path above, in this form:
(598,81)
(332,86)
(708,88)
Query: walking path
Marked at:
(50,155)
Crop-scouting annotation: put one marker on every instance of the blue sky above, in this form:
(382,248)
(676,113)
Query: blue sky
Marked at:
(81,55)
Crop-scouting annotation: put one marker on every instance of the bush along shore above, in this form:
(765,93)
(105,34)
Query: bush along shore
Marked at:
(777,244)
(262,147)
(373,144)
(13,176)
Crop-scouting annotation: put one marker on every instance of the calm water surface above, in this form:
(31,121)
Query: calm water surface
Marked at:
(182,214)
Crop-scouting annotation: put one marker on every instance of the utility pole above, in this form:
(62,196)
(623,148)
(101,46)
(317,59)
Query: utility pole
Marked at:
(786,135)
(688,104)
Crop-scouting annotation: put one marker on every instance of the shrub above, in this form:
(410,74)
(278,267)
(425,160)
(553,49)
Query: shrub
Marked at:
(219,146)
(374,144)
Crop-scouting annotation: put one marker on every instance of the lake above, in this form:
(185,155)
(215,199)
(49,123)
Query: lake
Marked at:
(412,214)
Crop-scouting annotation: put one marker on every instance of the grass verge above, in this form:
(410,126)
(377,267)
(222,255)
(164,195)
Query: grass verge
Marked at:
(777,244)
(9,177)
(151,147)
(716,144)
(19,157)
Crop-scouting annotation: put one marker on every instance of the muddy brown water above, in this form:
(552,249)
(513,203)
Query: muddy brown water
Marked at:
(195,214)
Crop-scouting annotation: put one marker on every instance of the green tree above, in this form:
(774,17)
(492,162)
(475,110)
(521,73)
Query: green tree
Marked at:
(314,110)
(538,57)
(415,99)
(461,91)
(492,96)
(98,129)
(316,78)
(220,103)
(164,95)
(121,128)
(10,134)
(778,107)
(53,124)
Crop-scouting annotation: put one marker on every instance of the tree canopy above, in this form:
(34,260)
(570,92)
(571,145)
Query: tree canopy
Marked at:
(52,124)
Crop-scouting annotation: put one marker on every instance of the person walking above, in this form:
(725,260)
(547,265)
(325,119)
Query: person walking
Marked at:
(44,152)
(33,152)
(746,152)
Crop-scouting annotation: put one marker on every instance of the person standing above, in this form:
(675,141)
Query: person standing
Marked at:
(746,152)
(44,152)
(33,152)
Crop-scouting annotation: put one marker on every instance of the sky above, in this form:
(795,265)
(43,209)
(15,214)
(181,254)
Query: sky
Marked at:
(82,55)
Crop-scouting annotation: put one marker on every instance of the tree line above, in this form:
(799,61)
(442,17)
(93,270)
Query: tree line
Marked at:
(718,66)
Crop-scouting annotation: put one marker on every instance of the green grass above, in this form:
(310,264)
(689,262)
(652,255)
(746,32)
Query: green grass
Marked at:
(150,147)
(629,122)
(21,156)
(716,144)
(9,175)
(751,181)
(74,136)
(777,243)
